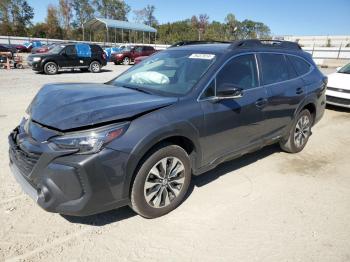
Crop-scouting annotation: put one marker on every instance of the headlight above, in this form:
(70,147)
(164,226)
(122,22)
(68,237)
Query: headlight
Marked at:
(88,142)
(36,59)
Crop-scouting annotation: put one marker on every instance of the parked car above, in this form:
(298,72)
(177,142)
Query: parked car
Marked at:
(32,44)
(69,56)
(42,49)
(5,49)
(128,54)
(10,48)
(139,59)
(338,89)
(22,48)
(86,148)
(110,51)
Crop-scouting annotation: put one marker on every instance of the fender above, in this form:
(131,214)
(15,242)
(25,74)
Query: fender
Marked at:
(184,129)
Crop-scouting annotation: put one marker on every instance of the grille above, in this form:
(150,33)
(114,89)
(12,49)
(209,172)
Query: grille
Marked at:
(338,100)
(24,161)
(338,90)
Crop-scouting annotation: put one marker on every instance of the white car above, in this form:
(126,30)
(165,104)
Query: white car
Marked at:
(338,89)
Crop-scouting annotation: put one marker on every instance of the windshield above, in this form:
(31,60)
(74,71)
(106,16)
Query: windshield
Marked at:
(57,49)
(172,72)
(345,69)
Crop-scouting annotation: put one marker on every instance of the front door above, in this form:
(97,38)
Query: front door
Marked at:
(69,57)
(232,125)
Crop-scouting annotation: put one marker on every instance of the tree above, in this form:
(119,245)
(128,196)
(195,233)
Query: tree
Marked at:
(146,15)
(252,29)
(66,14)
(38,30)
(83,11)
(112,9)
(16,16)
(5,25)
(200,23)
(53,24)
(231,26)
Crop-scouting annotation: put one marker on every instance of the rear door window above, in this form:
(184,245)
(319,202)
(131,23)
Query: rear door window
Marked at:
(301,66)
(274,68)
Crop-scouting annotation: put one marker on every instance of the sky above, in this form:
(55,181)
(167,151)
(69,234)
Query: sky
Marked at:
(284,17)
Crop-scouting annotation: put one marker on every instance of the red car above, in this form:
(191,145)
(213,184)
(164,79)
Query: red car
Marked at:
(128,54)
(43,49)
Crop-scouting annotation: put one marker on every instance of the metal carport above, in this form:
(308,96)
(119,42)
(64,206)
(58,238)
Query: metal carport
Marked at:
(108,24)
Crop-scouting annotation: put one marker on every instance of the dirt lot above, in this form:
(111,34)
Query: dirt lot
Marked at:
(267,206)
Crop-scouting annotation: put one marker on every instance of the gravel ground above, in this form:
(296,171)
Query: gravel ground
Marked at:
(266,206)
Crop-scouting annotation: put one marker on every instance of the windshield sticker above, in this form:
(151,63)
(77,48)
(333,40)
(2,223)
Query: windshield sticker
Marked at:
(202,56)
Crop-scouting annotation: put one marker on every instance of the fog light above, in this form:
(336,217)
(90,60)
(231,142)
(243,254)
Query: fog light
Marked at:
(44,194)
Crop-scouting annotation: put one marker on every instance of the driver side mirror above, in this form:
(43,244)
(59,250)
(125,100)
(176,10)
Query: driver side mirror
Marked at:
(228,91)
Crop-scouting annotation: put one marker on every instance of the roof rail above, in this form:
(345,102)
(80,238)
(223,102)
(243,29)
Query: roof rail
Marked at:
(249,43)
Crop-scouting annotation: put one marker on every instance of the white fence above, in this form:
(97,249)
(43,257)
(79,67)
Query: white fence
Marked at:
(317,52)
(18,40)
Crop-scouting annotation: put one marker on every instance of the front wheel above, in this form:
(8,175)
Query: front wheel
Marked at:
(126,61)
(161,182)
(299,133)
(50,68)
(95,67)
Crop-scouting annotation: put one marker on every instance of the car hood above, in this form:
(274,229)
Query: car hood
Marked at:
(76,105)
(339,80)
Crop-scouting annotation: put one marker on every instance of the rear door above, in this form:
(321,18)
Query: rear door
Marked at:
(285,90)
(233,125)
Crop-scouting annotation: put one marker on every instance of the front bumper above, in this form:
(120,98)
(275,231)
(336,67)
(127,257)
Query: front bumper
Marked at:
(67,183)
(338,98)
(36,66)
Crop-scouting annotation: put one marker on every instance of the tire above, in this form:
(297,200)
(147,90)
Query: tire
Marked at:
(50,68)
(126,61)
(116,63)
(95,67)
(19,66)
(299,133)
(161,194)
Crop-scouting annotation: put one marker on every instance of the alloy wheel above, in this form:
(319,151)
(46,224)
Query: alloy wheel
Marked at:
(164,182)
(95,67)
(51,68)
(302,131)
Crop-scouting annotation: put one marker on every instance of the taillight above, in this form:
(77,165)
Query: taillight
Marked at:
(104,56)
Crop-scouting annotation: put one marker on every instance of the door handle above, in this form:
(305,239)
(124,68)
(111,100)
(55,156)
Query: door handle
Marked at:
(261,102)
(299,91)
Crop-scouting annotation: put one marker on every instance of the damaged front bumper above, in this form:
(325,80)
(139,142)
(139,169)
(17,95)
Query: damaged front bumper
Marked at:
(67,183)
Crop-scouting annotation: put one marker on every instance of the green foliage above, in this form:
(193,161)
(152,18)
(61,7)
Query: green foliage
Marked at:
(66,20)
(199,28)
(112,9)
(146,16)
(15,17)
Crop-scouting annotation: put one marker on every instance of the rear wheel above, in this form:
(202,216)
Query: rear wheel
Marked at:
(299,133)
(95,67)
(50,68)
(161,182)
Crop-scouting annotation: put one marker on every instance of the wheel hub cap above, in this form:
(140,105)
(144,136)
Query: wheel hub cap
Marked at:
(164,182)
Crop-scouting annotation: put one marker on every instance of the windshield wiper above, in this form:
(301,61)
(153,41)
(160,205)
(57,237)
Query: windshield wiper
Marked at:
(137,88)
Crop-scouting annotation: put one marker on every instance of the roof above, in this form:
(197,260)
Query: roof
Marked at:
(216,48)
(96,23)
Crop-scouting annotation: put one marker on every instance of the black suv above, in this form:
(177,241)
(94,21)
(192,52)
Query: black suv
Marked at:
(138,139)
(69,56)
